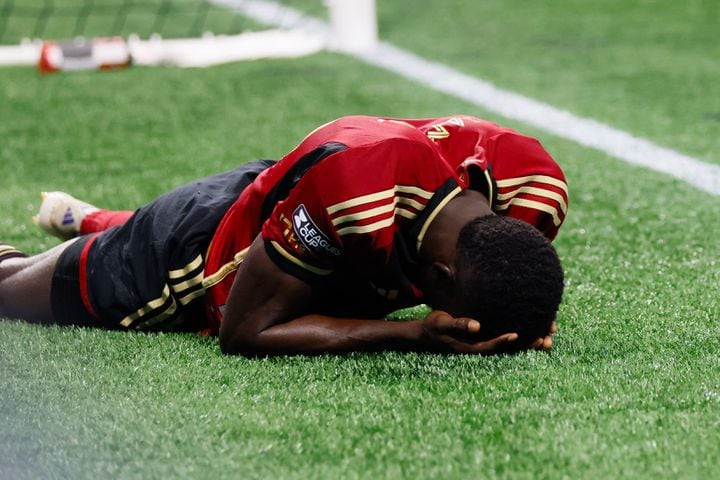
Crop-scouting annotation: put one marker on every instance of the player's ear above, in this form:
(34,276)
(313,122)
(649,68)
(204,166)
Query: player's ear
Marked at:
(442,281)
(442,274)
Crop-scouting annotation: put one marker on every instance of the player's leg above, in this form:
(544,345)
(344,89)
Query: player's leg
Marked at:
(65,217)
(25,284)
(59,287)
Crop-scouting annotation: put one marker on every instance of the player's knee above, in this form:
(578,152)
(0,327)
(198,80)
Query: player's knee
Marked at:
(4,277)
(9,271)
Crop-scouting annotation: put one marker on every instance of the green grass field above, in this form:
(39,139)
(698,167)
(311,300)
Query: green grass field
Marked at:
(632,388)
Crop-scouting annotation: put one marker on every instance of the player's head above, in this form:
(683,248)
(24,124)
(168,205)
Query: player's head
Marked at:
(508,276)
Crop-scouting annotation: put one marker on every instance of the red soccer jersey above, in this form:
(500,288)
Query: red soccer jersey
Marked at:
(514,171)
(351,204)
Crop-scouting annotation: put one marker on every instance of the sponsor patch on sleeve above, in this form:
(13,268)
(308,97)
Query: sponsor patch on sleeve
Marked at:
(310,236)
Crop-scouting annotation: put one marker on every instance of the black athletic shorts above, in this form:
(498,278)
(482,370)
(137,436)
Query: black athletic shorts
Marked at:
(147,273)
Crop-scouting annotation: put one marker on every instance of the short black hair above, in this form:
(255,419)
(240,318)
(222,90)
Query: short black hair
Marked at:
(511,277)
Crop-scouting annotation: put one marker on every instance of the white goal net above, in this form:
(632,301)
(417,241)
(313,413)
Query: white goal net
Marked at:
(81,34)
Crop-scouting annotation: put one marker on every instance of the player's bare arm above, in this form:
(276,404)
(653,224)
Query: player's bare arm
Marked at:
(268,312)
(271,312)
(426,230)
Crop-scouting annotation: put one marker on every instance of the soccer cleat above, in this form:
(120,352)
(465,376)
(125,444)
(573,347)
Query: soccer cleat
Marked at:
(61,215)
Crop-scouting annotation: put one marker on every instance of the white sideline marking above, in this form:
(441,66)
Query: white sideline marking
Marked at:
(442,78)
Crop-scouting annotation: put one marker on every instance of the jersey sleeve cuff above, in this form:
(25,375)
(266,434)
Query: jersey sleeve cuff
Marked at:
(294,266)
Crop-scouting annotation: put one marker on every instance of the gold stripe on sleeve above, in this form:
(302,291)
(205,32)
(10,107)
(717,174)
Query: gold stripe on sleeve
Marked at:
(511,182)
(406,213)
(372,197)
(543,207)
(409,201)
(382,195)
(380,224)
(352,217)
(414,191)
(373,212)
(298,262)
(540,192)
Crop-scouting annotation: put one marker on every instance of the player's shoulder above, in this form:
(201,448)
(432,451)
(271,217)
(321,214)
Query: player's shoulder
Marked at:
(364,130)
(516,154)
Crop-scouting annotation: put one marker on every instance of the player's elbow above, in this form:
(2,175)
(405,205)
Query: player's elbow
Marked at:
(235,343)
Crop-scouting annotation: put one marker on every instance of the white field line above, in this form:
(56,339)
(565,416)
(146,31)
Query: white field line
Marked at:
(442,78)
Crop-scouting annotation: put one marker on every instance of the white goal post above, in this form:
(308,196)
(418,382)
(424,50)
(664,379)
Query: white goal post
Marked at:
(352,27)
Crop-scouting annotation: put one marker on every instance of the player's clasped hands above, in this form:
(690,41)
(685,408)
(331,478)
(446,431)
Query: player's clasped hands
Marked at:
(446,333)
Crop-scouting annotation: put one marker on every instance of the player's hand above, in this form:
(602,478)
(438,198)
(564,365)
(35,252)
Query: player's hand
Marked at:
(442,332)
(546,343)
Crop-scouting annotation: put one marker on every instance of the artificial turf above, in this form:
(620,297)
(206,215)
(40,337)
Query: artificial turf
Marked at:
(631,390)
(646,67)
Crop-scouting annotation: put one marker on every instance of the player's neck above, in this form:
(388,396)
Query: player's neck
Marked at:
(441,237)
(438,251)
